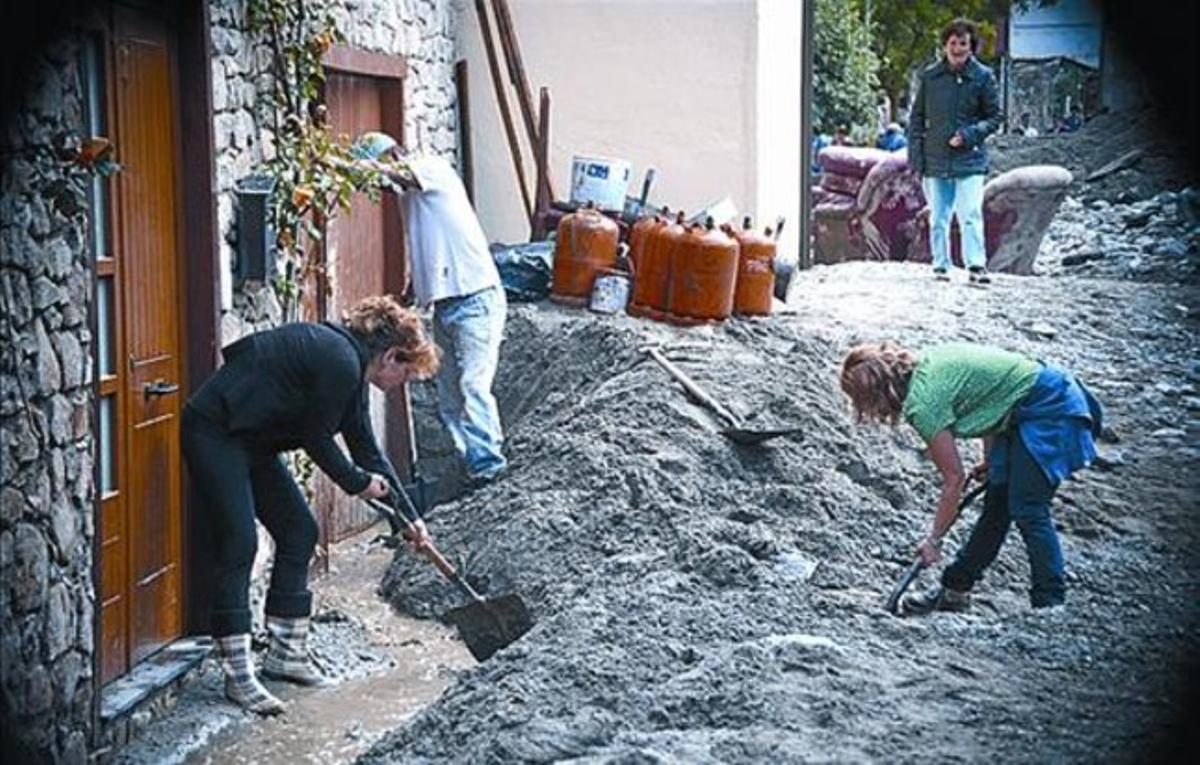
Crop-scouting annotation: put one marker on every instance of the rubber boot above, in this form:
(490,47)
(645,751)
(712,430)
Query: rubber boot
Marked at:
(241,686)
(288,658)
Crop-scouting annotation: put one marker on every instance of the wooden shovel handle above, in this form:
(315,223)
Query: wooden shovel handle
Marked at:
(699,393)
(401,523)
(439,561)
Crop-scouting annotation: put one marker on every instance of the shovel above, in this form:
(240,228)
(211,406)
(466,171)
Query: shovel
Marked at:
(735,431)
(486,625)
(915,568)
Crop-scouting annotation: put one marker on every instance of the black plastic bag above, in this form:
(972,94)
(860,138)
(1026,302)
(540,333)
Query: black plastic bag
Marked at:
(524,270)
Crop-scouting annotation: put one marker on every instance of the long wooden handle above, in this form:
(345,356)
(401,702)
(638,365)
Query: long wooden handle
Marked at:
(692,388)
(400,522)
(439,561)
(441,564)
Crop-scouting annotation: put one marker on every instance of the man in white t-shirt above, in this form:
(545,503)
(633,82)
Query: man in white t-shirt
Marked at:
(452,271)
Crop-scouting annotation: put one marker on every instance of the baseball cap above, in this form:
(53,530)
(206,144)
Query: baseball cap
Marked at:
(372,145)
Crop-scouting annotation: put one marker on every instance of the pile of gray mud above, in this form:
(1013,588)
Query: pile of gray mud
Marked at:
(697,601)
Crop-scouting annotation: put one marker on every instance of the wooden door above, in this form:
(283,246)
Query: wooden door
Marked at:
(364,255)
(140,512)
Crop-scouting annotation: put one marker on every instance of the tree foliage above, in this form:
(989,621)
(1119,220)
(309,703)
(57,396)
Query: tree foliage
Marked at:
(904,33)
(313,170)
(844,66)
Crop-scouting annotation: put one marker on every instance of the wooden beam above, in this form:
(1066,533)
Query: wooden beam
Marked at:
(516,72)
(467,158)
(502,99)
(203,273)
(343,58)
(542,156)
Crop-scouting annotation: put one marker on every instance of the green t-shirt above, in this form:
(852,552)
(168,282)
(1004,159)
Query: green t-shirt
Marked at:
(967,388)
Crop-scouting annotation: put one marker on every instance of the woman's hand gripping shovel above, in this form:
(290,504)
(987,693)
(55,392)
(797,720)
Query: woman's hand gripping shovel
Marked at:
(893,602)
(486,625)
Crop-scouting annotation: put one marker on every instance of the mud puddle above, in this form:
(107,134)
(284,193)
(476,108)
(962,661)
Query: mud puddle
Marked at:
(390,666)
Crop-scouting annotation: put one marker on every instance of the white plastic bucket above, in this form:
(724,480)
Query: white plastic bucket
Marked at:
(601,181)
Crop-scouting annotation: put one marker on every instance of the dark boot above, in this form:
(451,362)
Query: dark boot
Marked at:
(935,598)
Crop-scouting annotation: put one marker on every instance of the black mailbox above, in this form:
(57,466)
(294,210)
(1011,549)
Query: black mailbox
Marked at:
(255,234)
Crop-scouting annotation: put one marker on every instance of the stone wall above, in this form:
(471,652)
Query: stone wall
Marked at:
(423,31)
(47,601)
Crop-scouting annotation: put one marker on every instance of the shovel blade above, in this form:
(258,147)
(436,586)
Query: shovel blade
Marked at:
(489,625)
(747,437)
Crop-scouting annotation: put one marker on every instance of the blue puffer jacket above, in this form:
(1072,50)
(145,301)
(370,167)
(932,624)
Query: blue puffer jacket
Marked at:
(947,102)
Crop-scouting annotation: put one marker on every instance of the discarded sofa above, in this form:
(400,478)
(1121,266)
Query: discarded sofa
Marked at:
(837,219)
(869,206)
(1017,209)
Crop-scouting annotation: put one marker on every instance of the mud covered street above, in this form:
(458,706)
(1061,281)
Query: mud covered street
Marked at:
(702,602)
(387,667)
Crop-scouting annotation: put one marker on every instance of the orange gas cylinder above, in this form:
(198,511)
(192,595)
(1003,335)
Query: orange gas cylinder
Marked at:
(652,279)
(703,272)
(586,243)
(756,272)
(638,232)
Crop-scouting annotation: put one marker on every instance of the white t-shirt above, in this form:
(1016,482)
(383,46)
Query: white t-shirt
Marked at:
(446,245)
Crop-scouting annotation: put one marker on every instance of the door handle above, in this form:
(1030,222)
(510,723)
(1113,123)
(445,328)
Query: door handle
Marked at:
(159,388)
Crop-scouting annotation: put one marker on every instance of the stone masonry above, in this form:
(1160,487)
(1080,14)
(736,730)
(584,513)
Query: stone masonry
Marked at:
(422,31)
(47,497)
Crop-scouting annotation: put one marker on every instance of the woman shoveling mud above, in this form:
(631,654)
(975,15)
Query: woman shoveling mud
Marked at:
(294,387)
(1037,423)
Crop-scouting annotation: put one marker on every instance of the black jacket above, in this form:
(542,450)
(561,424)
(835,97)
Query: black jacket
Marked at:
(296,387)
(948,102)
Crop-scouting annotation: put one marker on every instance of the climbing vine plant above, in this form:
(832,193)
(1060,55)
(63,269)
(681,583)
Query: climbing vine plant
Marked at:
(313,171)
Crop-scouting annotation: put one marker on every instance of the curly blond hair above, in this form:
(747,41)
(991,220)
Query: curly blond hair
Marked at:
(875,378)
(381,323)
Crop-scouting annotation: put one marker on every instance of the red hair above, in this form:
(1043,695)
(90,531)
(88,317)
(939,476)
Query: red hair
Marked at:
(875,378)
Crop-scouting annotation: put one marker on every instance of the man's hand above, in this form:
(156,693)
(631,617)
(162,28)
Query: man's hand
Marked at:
(956,140)
(376,489)
(928,551)
(418,536)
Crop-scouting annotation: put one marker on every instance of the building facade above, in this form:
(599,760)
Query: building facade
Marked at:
(706,93)
(118,292)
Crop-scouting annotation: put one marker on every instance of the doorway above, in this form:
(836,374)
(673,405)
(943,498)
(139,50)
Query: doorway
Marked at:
(130,79)
(364,255)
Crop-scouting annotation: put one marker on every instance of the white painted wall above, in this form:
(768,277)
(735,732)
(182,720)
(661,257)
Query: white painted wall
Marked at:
(705,91)
(778,118)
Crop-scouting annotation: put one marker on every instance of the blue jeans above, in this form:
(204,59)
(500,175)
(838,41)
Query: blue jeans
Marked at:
(468,330)
(962,197)
(1024,500)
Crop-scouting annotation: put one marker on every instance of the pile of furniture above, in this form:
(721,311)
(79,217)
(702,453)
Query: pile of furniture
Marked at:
(868,205)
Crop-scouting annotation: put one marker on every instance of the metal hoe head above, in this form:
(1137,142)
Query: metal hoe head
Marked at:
(747,437)
(487,626)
